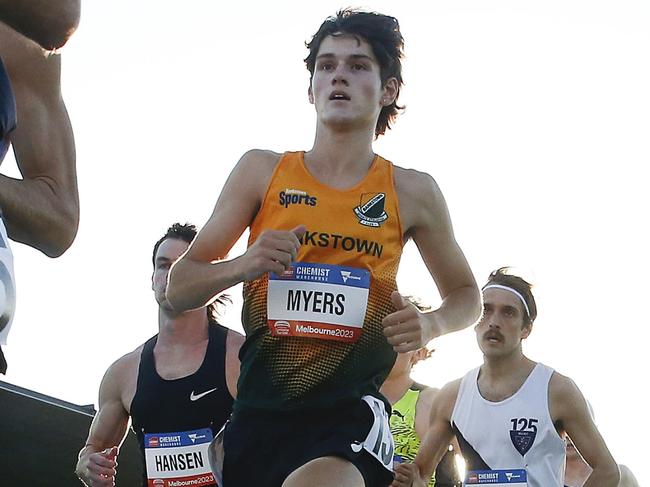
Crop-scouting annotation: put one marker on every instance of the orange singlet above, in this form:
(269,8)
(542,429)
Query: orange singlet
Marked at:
(314,334)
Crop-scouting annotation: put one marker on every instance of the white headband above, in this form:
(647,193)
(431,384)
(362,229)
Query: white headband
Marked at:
(513,291)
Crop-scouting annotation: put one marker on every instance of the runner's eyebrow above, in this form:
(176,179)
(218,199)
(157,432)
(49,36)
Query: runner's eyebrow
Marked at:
(329,55)
(362,56)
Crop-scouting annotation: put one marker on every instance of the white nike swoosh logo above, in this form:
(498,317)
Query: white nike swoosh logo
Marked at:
(196,397)
(356,447)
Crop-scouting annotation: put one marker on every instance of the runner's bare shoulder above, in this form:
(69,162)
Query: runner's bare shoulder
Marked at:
(408,179)
(420,200)
(262,162)
(252,174)
(121,377)
(444,401)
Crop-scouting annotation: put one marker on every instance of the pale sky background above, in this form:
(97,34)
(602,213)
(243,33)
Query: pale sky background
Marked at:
(533,117)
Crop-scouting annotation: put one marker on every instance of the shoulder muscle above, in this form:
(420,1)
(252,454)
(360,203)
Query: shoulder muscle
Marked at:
(236,207)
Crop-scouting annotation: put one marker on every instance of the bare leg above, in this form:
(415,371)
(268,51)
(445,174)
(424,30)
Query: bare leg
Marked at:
(325,472)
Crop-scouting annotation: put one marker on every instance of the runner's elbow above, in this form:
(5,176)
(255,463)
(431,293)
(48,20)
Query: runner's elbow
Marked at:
(62,232)
(173,294)
(56,33)
(609,475)
(477,304)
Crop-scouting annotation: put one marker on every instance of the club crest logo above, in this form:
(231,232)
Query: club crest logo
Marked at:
(523,433)
(523,440)
(370,211)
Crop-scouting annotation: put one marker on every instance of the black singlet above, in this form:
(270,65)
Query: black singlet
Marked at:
(163,406)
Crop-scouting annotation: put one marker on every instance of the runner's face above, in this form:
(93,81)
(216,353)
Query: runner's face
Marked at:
(168,252)
(346,87)
(501,328)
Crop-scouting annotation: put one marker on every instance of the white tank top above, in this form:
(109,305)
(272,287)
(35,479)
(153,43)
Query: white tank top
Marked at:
(514,434)
(7,285)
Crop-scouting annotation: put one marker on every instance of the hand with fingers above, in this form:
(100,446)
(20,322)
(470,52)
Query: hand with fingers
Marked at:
(98,469)
(273,251)
(408,475)
(407,329)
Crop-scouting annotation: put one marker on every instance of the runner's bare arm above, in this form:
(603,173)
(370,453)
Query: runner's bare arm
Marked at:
(234,341)
(423,410)
(425,219)
(569,409)
(42,208)
(96,465)
(200,273)
(435,442)
(47,22)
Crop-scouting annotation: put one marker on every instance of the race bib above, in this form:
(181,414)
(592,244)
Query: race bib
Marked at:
(497,478)
(178,459)
(379,442)
(318,301)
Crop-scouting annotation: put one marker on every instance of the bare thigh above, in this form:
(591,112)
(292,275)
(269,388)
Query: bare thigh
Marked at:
(325,472)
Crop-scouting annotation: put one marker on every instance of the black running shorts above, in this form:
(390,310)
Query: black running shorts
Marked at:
(262,448)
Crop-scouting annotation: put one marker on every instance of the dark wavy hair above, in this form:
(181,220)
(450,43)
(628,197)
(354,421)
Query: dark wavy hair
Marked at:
(186,232)
(503,277)
(383,34)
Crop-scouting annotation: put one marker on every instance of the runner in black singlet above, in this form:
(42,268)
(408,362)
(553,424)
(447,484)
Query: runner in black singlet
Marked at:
(177,388)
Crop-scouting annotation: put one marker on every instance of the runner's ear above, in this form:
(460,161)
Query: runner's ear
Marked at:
(526,329)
